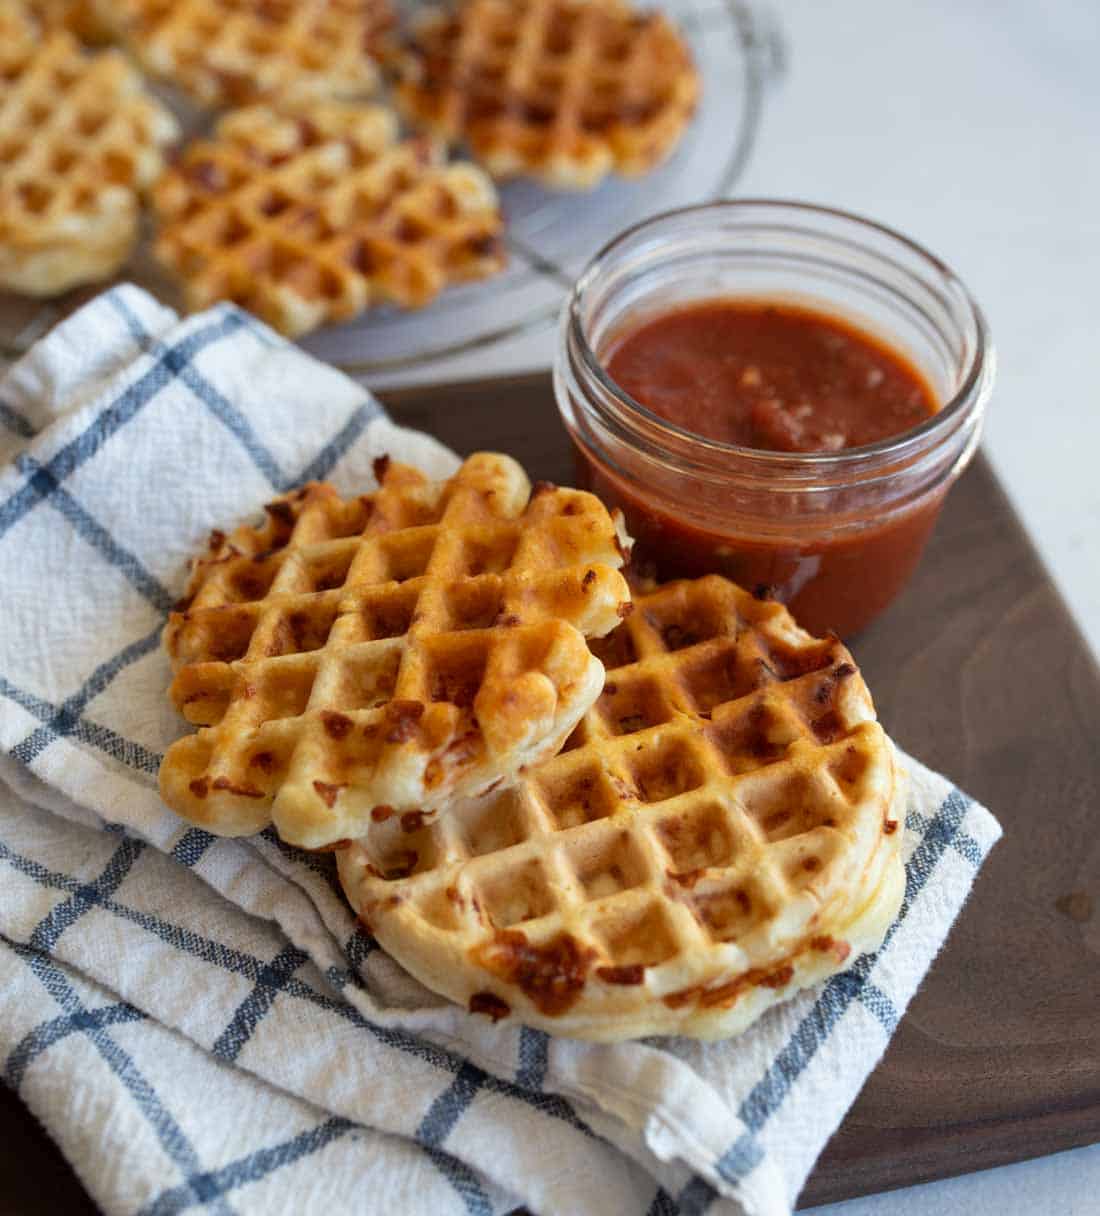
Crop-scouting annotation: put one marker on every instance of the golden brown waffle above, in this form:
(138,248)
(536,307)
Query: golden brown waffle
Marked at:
(563,90)
(389,652)
(79,139)
(311,216)
(231,52)
(79,17)
(721,829)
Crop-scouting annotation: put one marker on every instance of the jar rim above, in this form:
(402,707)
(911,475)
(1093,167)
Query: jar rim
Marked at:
(892,447)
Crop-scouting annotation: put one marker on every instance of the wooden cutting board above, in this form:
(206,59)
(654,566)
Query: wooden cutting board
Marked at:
(980,671)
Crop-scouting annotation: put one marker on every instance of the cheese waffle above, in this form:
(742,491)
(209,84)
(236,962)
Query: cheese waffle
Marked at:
(231,52)
(79,139)
(389,653)
(79,17)
(566,91)
(722,828)
(311,216)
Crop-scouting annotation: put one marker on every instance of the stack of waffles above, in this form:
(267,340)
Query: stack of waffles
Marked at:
(305,203)
(603,810)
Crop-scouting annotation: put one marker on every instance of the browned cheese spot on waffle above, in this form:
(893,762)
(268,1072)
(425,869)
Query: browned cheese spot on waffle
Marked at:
(312,214)
(718,831)
(78,17)
(80,141)
(562,90)
(358,661)
(232,52)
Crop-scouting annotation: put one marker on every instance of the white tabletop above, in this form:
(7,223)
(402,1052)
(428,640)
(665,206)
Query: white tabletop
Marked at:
(975,127)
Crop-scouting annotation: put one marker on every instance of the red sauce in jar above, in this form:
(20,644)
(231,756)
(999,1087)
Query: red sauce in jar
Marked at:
(767,375)
(779,377)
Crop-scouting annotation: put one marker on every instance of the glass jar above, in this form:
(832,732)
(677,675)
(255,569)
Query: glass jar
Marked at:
(836,535)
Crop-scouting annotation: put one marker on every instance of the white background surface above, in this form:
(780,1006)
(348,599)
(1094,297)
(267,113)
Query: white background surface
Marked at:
(975,128)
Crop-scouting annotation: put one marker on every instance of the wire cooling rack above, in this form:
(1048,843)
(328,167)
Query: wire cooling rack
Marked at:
(550,235)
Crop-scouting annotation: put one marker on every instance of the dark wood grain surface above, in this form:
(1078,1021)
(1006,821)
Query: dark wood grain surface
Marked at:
(979,670)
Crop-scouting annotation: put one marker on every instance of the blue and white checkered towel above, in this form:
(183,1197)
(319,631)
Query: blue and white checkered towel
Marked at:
(197,1021)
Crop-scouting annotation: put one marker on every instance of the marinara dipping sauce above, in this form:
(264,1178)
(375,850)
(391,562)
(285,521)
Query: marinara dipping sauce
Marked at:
(767,433)
(763,374)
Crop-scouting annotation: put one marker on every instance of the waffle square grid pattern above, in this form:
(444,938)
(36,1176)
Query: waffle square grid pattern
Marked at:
(80,140)
(310,215)
(224,52)
(393,651)
(720,830)
(561,90)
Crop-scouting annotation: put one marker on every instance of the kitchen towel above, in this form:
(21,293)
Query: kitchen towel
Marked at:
(200,1023)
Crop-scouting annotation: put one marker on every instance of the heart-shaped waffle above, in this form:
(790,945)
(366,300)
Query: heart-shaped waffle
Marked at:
(722,829)
(392,652)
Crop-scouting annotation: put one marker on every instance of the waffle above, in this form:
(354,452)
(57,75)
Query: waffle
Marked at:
(386,654)
(232,52)
(79,139)
(312,216)
(721,829)
(566,91)
(79,17)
